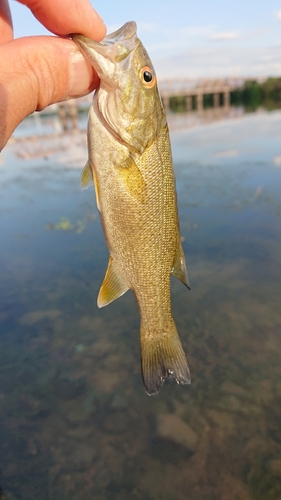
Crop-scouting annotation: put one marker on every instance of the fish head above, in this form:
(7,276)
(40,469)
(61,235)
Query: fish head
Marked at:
(127,98)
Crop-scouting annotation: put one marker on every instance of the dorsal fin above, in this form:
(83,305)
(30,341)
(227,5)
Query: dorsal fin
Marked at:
(113,285)
(179,267)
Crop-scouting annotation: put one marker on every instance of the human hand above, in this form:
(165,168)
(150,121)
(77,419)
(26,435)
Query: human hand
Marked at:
(38,71)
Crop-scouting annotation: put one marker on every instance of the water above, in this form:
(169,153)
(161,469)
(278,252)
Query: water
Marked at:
(75,421)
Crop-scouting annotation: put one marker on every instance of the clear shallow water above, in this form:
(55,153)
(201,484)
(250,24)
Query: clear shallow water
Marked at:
(75,421)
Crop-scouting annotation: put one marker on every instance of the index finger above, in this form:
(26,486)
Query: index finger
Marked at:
(68,16)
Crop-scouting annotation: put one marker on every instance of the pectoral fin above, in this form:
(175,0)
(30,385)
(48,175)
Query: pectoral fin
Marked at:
(132,180)
(179,267)
(113,285)
(87,177)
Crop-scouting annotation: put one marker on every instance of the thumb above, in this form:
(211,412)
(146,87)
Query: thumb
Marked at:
(36,72)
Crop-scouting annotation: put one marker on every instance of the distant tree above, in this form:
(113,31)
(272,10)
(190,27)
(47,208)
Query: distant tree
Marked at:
(252,95)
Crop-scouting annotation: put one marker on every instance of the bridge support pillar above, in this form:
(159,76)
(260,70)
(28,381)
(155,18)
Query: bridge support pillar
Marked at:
(216,100)
(226,98)
(199,101)
(188,103)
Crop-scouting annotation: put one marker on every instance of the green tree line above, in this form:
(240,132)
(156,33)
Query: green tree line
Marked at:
(252,95)
(255,94)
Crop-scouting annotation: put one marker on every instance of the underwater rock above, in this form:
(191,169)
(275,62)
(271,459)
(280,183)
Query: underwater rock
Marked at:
(278,389)
(7,495)
(236,404)
(32,447)
(76,415)
(90,403)
(83,456)
(223,420)
(81,432)
(232,488)
(234,389)
(119,402)
(101,347)
(106,381)
(67,387)
(112,363)
(34,317)
(72,455)
(263,392)
(87,322)
(275,467)
(32,407)
(174,428)
(116,422)
(46,376)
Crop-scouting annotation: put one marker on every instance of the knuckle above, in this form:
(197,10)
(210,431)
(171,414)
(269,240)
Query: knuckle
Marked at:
(45,77)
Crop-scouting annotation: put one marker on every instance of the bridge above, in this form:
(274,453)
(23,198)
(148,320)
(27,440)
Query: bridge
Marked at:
(194,90)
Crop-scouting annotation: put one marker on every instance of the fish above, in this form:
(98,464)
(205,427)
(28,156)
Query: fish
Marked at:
(130,165)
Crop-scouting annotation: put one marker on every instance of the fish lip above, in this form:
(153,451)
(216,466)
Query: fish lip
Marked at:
(126,32)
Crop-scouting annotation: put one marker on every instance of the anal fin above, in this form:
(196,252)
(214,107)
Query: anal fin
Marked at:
(113,285)
(179,267)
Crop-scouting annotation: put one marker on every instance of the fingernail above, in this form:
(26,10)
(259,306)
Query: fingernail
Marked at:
(80,75)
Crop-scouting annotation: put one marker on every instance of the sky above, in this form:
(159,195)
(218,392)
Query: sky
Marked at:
(192,38)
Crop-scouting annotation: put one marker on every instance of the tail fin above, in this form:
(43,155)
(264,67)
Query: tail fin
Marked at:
(162,357)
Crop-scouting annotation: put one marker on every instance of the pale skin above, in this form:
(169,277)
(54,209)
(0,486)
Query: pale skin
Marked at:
(38,71)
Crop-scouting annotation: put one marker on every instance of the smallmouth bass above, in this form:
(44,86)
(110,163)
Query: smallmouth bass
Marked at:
(130,164)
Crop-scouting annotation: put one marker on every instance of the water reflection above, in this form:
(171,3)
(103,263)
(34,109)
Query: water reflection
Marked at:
(75,421)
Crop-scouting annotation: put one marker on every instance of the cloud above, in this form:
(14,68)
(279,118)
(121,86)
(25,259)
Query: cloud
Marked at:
(220,61)
(279,14)
(175,41)
(229,153)
(277,161)
(225,35)
(191,31)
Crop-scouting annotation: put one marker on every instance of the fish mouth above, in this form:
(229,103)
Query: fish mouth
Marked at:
(127,31)
(115,47)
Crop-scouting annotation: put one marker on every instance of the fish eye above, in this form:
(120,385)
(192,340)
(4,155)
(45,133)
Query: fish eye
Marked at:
(147,77)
